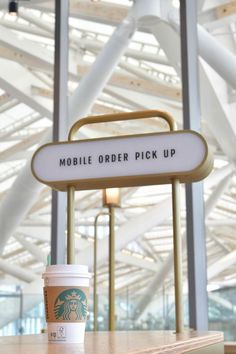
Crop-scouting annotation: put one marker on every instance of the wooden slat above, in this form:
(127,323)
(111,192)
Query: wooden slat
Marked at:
(140,85)
(98,11)
(226,9)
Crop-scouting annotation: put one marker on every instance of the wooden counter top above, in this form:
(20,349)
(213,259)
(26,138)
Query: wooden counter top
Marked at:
(230,348)
(132,342)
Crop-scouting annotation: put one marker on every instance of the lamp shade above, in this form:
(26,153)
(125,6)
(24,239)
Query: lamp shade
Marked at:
(111,197)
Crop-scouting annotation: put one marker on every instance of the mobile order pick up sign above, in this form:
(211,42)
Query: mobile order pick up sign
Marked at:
(123,161)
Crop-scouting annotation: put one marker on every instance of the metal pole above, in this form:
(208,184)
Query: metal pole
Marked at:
(111,268)
(60,125)
(164,302)
(196,246)
(177,256)
(20,327)
(95,303)
(70,225)
(95,296)
(127,304)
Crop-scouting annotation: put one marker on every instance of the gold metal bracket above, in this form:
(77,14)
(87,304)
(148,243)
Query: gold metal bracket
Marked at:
(175,201)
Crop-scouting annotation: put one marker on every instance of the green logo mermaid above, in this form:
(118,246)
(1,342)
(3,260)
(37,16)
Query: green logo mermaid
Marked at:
(71,305)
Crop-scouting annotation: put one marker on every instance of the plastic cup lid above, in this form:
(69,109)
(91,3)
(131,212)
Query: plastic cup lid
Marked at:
(74,270)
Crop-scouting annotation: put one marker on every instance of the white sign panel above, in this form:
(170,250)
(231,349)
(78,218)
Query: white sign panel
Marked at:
(91,162)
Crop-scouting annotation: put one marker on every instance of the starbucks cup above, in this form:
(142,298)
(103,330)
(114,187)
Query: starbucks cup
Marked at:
(66,288)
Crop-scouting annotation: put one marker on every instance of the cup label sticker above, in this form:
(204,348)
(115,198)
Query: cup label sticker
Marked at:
(66,304)
(58,335)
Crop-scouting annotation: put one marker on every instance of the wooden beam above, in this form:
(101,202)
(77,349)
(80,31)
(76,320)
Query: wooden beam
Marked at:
(126,82)
(102,12)
(227,9)
(140,85)
(4,98)
(98,11)
(98,108)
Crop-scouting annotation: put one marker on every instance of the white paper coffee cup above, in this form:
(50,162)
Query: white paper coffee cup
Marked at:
(66,288)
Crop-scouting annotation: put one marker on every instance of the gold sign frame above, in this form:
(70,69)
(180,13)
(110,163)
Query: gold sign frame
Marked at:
(196,174)
(200,172)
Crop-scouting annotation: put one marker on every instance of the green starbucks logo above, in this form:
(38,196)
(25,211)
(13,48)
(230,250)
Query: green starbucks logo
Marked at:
(71,305)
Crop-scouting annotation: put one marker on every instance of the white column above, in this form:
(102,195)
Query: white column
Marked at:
(217,56)
(60,125)
(33,249)
(214,53)
(16,271)
(18,201)
(93,83)
(219,190)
